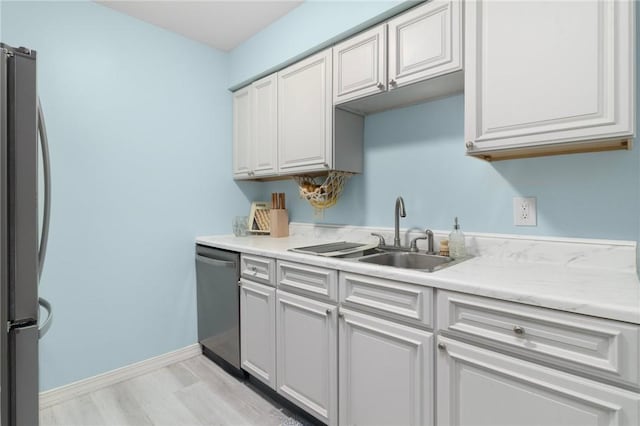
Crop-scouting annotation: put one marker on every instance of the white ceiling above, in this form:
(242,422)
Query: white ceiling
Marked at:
(220,24)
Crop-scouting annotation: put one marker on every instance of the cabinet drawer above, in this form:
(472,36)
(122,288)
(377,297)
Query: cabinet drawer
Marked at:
(393,299)
(600,347)
(258,269)
(309,280)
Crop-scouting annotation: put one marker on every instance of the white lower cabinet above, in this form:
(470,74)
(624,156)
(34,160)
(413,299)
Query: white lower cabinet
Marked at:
(386,372)
(371,361)
(481,387)
(258,331)
(307,354)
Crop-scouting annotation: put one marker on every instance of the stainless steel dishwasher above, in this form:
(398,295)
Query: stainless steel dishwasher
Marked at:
(218,273)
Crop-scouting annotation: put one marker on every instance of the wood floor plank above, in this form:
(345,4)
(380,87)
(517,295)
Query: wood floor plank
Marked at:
(79,411)
(208,407)
(119,407)
(256,408)
(193,392)
(182,374)
(48,418)
(154,394)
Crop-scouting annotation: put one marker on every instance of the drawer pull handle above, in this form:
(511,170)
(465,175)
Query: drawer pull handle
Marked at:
(442,346)
(518,330)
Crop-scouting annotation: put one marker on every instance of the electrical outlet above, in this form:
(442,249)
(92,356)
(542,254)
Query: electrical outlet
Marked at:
(524,211)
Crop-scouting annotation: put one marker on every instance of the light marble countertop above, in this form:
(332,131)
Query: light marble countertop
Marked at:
(607,292)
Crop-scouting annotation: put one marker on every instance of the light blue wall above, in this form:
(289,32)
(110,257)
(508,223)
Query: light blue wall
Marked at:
(312,23)
(139,123)
(418,152)
(140,131)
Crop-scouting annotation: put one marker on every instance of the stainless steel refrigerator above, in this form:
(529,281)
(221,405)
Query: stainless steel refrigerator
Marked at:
(22,241)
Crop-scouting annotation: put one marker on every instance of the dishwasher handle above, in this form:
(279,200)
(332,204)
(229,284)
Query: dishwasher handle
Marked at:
(215,262)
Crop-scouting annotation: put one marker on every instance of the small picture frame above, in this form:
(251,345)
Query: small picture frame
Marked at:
(259,218)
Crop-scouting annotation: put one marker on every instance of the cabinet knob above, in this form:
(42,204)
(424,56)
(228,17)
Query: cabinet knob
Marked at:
(380,85)
(340,315)
(442,346)
(518,330)
(469,145)
(326,165)
(392,82)
(328,311)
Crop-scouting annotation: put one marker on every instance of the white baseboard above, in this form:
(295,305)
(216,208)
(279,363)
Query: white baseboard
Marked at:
(66,392)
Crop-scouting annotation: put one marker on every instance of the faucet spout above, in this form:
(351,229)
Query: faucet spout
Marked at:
(399,212)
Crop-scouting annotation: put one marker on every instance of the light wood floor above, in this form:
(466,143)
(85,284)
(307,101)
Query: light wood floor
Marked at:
(191,392)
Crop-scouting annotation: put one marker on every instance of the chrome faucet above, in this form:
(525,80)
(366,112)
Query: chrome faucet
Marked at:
(398,213)
(381,241)
(428,235)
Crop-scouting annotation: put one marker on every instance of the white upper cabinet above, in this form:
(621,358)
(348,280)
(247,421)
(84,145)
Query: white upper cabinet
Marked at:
(255,129)
(421,48)
(242,133)
(285,124)
(305,109)
(264,126)
(425,42)
(359,65)
(548,77)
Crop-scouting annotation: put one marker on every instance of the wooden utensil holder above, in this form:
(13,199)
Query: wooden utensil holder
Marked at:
(279,223)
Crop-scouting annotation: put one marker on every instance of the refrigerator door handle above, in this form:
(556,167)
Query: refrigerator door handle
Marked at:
(44,327)
(46,165)
(44,238)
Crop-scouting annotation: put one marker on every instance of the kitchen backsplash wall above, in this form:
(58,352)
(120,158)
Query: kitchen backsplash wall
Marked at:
(418,152)
(139,123)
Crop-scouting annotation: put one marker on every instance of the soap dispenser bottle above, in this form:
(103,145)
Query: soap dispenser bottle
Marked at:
(457,247)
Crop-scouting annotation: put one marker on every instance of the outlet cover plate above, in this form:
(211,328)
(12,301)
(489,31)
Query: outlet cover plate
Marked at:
(525,211)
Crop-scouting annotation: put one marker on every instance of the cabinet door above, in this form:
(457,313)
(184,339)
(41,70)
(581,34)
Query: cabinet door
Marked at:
(359,65)
(481,387)
(305,115)
(425,42)
(307,355)
(542,73)
(386,372)
(242,133)
(264,127)
(258,331)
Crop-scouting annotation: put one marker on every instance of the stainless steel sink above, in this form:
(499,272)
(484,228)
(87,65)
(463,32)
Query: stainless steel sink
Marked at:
(359,254)
(418,261)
